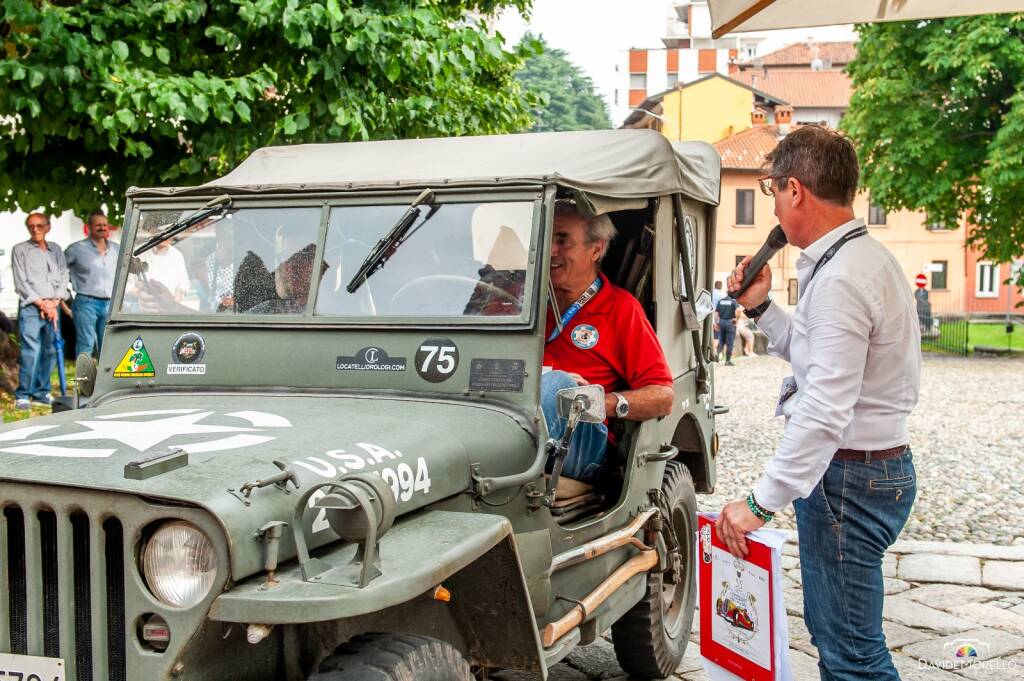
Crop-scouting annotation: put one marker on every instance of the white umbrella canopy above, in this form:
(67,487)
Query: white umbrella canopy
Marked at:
(762,15)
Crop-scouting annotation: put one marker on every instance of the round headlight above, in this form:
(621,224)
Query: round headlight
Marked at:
(179,564)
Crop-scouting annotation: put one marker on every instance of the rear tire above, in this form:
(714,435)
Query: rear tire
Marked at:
(651,638)
(394,657)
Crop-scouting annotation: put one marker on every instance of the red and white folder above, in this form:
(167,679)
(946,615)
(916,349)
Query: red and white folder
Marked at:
(743,627)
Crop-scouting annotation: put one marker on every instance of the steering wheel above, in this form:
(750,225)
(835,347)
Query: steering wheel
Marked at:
(432,279)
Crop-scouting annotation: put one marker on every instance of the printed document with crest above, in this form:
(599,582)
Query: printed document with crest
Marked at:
(743,627)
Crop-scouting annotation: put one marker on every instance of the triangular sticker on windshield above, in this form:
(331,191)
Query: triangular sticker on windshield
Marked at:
(136,362)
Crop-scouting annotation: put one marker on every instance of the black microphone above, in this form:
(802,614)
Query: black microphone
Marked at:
(776,240)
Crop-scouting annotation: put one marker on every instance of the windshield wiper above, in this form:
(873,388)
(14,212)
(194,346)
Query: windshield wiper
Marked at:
(212,207)
(387,246)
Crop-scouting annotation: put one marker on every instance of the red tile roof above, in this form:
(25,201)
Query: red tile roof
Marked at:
(802,54)
(828,89)
(745,150)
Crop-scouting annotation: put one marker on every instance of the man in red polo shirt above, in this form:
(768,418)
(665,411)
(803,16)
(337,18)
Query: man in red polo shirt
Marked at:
(605,340)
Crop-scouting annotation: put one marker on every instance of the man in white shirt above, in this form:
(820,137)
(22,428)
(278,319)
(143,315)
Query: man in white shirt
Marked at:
(165,266)
(854,344)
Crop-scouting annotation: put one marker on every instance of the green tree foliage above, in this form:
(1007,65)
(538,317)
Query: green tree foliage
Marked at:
(99,96)
(937,115)
(566,94)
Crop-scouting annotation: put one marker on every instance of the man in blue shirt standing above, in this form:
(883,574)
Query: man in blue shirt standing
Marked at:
(91,263)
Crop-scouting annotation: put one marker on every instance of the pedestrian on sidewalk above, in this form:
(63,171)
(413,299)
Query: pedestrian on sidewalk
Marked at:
(41,280)
(844,462)
(725,318)
(91,263)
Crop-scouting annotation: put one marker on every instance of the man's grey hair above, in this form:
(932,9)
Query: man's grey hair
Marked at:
(599,227)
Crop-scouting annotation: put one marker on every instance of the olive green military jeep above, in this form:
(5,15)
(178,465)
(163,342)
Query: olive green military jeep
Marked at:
(312,448)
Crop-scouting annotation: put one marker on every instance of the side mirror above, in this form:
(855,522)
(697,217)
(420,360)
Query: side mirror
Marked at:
(85,374)
(703,306)
(590,401)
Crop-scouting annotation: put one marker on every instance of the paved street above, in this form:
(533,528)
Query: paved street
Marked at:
(966,436)
(956,577)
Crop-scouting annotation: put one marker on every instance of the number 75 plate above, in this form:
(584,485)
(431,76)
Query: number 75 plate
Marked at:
(28,668)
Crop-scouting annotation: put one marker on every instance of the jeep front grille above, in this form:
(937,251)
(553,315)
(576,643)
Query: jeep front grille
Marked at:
(36,577)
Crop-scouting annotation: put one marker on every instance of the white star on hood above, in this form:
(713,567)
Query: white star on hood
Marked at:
(143,434)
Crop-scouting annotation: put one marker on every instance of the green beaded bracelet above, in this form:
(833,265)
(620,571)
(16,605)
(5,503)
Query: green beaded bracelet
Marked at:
(758,510)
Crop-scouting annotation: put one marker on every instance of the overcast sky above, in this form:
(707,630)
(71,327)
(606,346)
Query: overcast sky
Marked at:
(594,32)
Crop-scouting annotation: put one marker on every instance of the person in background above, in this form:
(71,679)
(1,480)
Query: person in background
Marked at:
(725,316)
(41,280)
(716,295)
(165,269)
(746,333)
(91,263)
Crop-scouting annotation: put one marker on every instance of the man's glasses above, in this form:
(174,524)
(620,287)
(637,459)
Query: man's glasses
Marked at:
(766,184)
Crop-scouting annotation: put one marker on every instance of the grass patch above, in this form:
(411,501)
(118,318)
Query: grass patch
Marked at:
(7,401)
(995,336)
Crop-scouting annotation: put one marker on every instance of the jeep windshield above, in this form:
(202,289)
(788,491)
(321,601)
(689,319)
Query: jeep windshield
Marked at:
(471,260)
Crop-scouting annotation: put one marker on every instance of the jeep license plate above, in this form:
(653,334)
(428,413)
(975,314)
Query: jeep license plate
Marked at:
(28,668)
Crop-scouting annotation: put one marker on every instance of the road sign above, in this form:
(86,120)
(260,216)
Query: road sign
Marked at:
(921,280)
(932,267)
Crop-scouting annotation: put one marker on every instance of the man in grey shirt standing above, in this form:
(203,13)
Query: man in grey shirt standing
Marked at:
(92,262)
(41,280)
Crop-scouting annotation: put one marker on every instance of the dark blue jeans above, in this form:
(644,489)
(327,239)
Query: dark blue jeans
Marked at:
(845,526)
(726,336)
(90,317)
(37,352)
(585,461)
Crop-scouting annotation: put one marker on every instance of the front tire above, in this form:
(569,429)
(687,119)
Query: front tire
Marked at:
(394,657)
(651,638)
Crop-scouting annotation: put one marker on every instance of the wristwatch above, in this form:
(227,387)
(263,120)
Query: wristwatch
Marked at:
(755,312)
(621,405)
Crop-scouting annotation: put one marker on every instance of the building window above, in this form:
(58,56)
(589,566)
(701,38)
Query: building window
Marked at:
(876,215)
(739,259)
(794,291)
(744,206)
(986,282)
(939,268)
(638,81)
(939,226)
(707,61)
(672,80)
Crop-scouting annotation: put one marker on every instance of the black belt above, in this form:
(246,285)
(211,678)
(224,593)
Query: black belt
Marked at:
(867,456)
(86,295)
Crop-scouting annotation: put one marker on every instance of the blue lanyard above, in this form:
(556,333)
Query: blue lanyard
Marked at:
(576,307)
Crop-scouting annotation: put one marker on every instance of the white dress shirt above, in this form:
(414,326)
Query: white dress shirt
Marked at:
(855,347)
(168,267)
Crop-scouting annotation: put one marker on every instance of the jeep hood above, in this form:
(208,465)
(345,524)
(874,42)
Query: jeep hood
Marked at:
(423,446)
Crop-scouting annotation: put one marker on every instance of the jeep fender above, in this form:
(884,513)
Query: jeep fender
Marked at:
(473,554)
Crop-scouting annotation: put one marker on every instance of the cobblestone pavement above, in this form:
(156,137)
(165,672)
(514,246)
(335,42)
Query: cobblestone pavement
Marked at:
(942,597)
(944,592)
(966,435)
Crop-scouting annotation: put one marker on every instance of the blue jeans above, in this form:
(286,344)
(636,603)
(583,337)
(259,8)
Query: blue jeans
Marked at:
(90,317)
(845,526)
(726,336)
(585,461)
(37,353)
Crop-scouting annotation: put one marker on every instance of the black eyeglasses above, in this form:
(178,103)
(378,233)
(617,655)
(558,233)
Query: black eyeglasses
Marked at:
(766,184)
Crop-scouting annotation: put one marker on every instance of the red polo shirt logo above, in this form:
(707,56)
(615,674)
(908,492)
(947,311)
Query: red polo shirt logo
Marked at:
(585,336)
